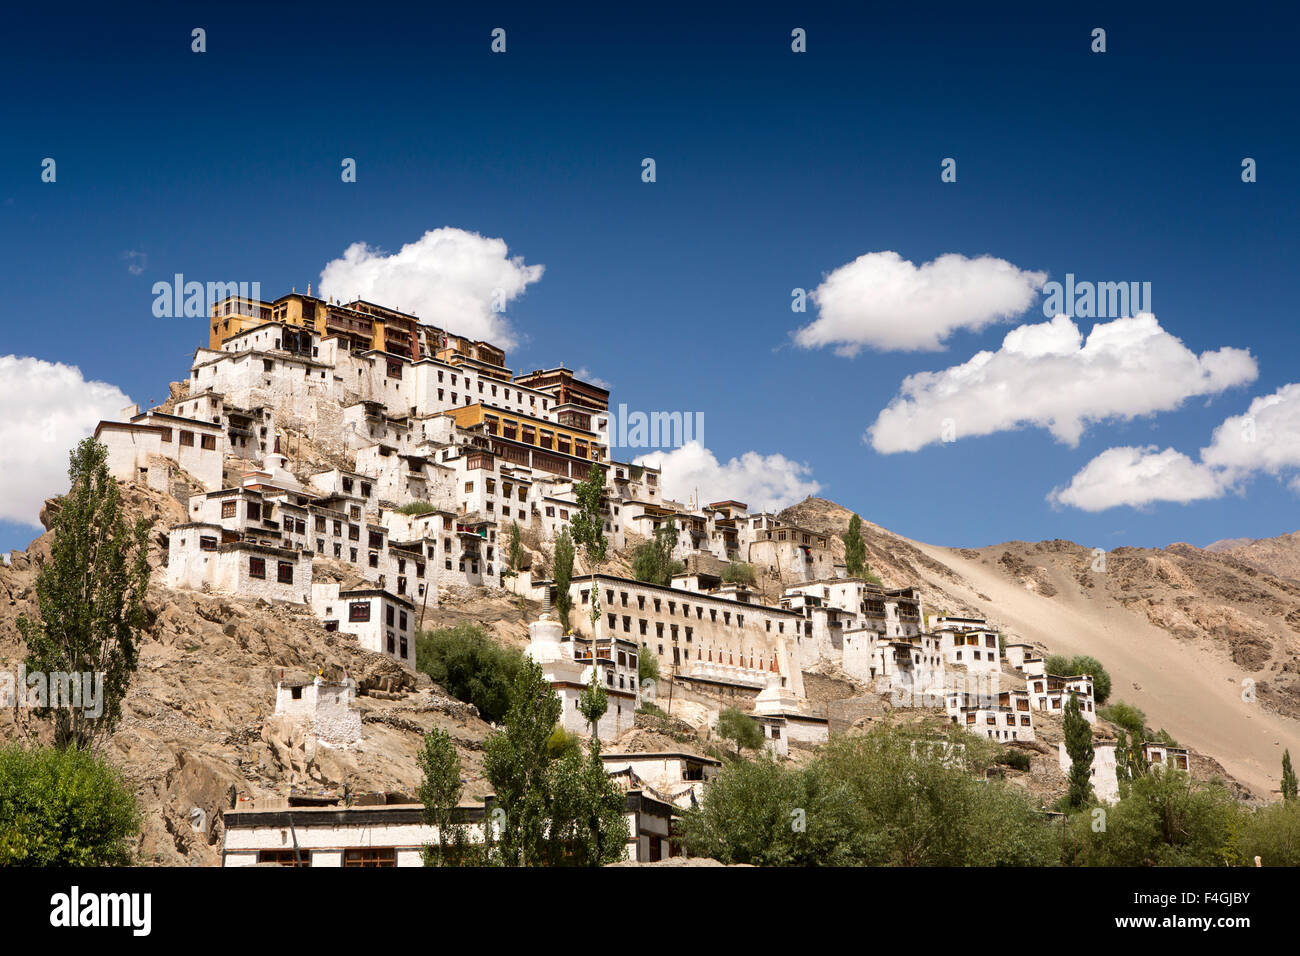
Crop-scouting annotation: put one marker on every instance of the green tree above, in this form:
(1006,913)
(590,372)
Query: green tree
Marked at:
(470,666)
(587,822)
(1288,777)
(516,762)
(515,556)
(559,807)
(855,549)
(1084,664)
(562,742)
(1078,744)
(593,702)
(1166,819)
(1271,833)
(563,577)
(588,524)
(742,730)
(740,572)
(440,792)
(653,561)
(1064,666)
(91,596)
(647,665)
(889,797)
(63,807)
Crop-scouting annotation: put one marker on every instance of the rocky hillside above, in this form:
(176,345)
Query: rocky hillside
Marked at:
(1179,629)
(196,729)
(1206,642)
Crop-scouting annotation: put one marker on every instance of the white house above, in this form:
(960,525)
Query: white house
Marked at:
(381,621)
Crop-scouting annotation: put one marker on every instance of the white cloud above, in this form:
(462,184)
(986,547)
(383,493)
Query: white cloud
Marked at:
(456,280)
(1266,439)
(45,409)
(1046,375)
(591,379)
(1136,477)
(883,301)
(764,482)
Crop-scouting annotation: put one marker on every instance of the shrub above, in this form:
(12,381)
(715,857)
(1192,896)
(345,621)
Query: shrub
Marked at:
(739,572)
(647,665)
(63,808)
(741,729)
(1015,759)
(470,665)
(415,508)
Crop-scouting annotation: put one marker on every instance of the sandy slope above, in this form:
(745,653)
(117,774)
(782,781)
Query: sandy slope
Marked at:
(1183,686)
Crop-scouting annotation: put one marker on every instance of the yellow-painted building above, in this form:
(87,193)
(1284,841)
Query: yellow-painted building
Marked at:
(363,325)
(537,432)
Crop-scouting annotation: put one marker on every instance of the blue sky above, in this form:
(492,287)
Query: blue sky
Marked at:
(773,170)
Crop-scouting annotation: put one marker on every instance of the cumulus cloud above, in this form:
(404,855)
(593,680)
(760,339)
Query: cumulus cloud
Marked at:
(45,409)
(881,300)
(1048,376)
(457,280)
(1266,439)
(764,482)
(1136,477)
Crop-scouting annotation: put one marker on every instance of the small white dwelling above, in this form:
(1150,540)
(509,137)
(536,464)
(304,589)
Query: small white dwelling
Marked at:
(324,708)
(381,621)
(200,557)
(145,448)
(1105,780)
(784,721)
(676,778)
(1050,692)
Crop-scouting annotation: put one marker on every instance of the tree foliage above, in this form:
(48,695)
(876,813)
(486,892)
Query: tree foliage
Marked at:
(593,702)
(1078,744)
(647,665)
(653,560)
(91,597)
(855,549)
(1064,666)
(470,665)
(889,797)
(744,732)
(1288,777)
(563,576)
(440,792)
(63,807)
(587,523)
(1165,819)
(559,807)
(515,555)
(740,572)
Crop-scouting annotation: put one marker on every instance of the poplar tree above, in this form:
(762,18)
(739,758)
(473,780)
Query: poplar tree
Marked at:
(440,792)
(1288,777)
(1078,744)
(91,597)
(593,702)
(588,524)
(563,577)
(855,549)
(516,762)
